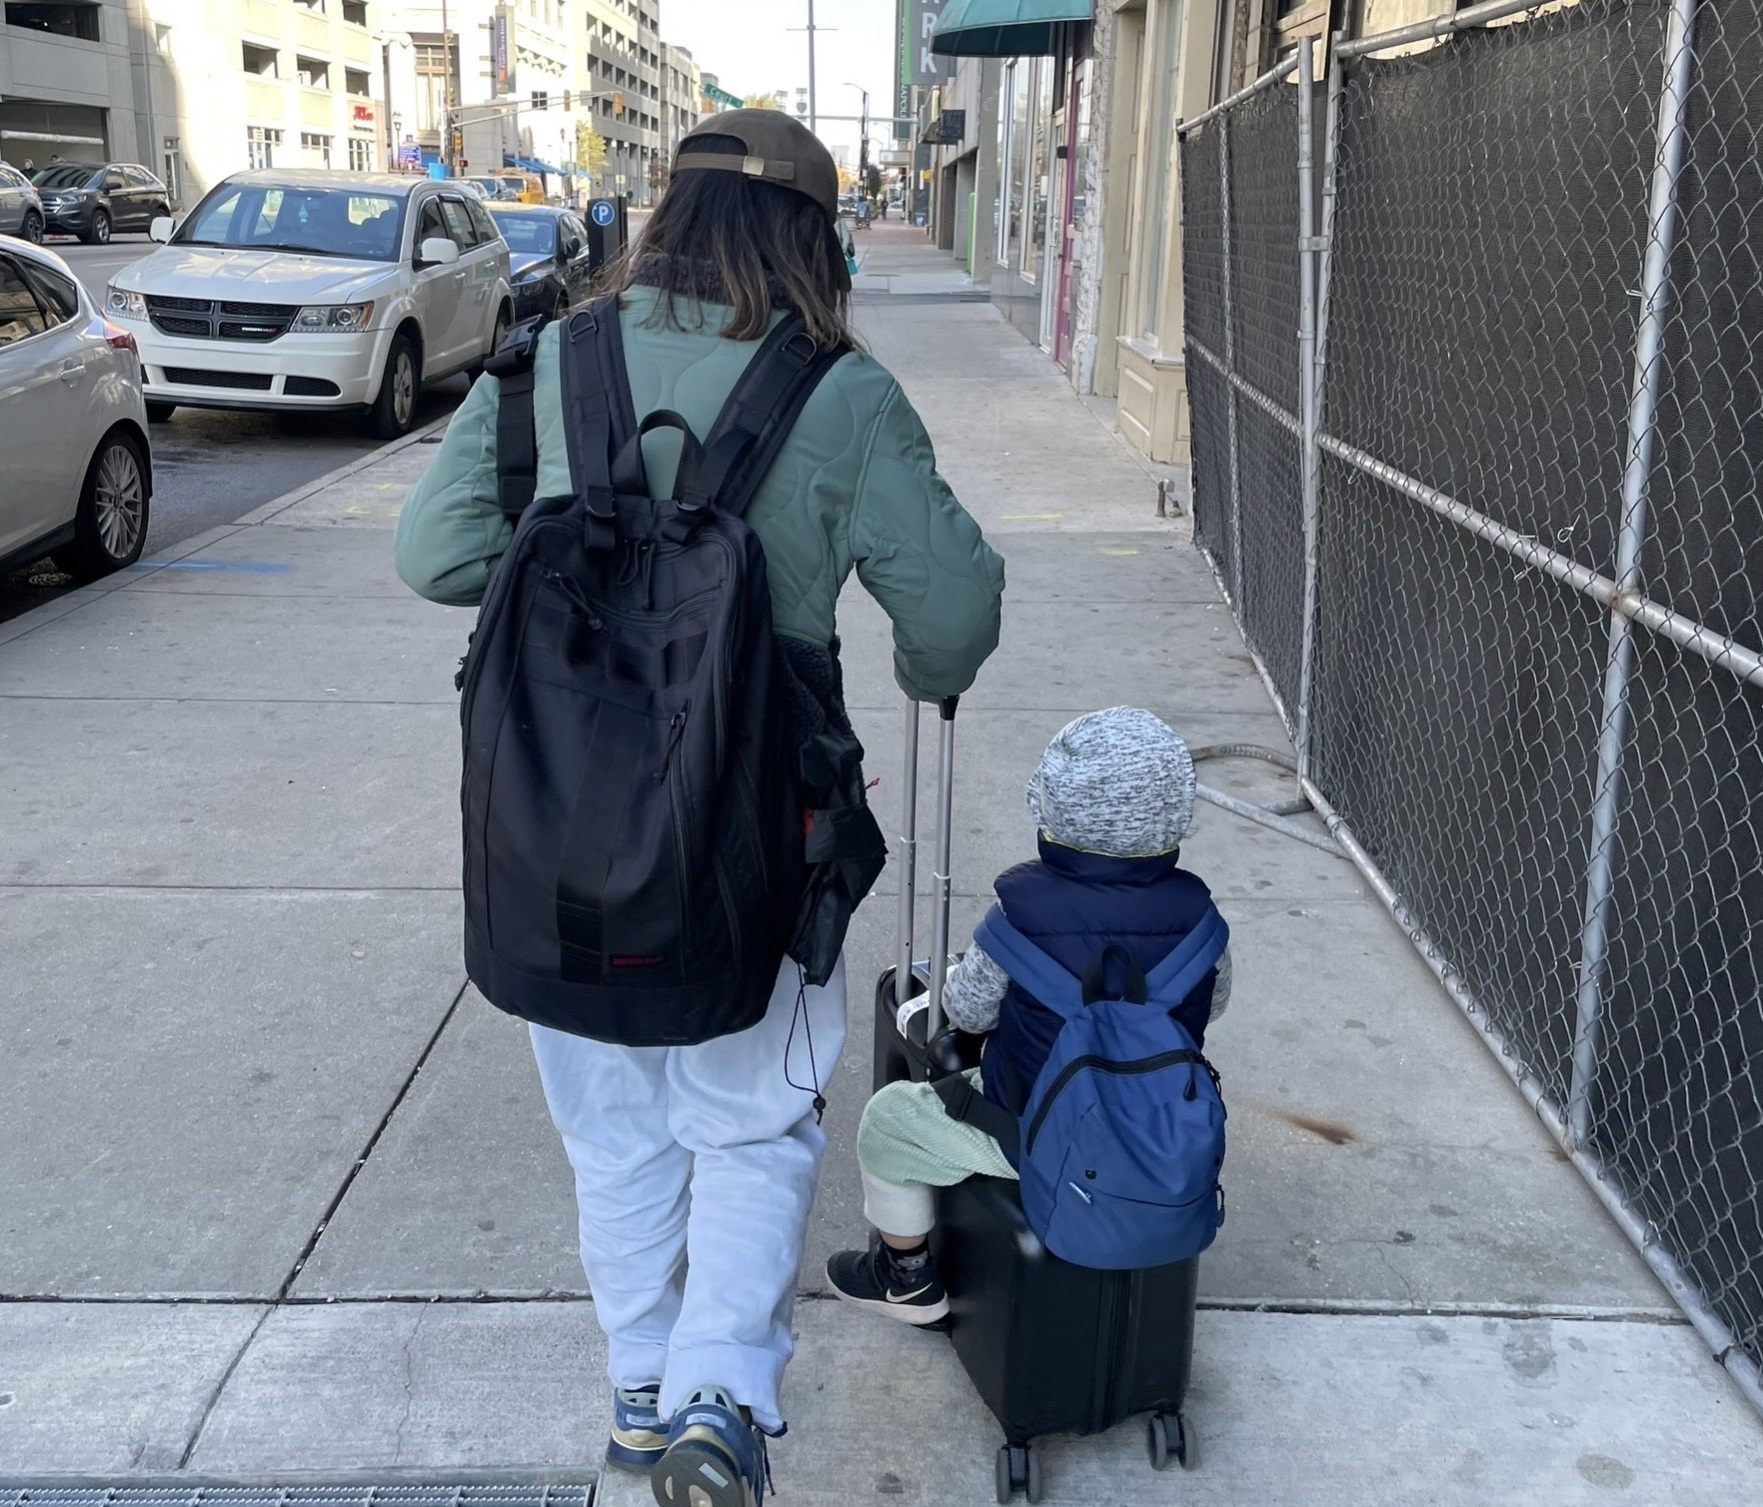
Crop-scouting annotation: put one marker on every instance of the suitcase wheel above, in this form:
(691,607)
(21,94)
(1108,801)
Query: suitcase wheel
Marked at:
(1019,1469)
(1166,1436)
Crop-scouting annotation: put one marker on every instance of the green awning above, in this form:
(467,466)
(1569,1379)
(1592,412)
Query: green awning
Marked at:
(1005,28)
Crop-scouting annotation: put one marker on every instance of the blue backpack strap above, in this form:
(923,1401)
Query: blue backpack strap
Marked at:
(1189,961)
(1043,977)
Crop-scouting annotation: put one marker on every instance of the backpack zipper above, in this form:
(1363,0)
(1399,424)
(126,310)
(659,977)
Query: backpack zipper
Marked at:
(491,608)
(1106,1065)
(675,731)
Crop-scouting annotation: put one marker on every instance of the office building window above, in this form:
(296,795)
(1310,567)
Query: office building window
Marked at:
(174,169)
(541,99)
(355,12)
(314,73)
(77,21)
(258,61)
(355,81)
(360,154)
(262,146)
(315,149)
(432,57)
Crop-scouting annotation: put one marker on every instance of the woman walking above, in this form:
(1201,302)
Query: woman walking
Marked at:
(696,1165)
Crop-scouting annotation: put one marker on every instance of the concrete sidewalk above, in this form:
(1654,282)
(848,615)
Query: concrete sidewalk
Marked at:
(278,1193)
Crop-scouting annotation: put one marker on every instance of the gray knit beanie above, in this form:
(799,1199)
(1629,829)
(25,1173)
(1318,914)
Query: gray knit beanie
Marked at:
(1119,783)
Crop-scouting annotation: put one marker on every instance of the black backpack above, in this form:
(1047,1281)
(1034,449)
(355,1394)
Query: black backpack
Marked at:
(635,859)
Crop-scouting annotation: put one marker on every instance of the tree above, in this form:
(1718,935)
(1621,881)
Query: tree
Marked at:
(873,185)
(590,149)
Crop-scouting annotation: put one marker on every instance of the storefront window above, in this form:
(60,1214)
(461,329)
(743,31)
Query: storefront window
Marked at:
(1160,93)
(1040,171)
(1001,200)
(1016,205)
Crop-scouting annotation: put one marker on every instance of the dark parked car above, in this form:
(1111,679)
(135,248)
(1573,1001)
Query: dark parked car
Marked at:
(547,258)
(94,199)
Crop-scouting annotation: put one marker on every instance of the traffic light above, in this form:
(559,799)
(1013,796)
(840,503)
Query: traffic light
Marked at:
(566,99)
(458,142)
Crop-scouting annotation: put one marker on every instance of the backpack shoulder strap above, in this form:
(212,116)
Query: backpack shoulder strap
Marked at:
(963,1102)
(599,418)
(756,420)
(1049,981)
(517,443)
(1190,960)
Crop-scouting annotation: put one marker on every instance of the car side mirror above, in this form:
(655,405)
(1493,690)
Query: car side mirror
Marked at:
(436,251)
(161,228)
(572,248)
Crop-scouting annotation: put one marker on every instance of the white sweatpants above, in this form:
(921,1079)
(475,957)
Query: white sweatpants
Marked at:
(695,1169)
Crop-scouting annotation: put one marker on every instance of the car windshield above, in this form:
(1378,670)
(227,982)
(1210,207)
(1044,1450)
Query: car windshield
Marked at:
(530,233)
(320,221)
(514,185)
(66,175)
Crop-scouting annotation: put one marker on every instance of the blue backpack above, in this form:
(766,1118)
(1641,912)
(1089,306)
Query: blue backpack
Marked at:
(1121,1141)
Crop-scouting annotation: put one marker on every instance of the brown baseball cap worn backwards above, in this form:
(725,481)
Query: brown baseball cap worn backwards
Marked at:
(779,149)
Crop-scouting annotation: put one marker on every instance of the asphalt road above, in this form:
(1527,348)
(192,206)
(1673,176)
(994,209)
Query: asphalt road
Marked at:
(211,467)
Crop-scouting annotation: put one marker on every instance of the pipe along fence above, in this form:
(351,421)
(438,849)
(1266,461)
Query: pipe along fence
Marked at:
(1475,359)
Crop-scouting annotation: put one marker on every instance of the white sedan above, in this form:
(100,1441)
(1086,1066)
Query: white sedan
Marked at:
(76,474)
(308,289)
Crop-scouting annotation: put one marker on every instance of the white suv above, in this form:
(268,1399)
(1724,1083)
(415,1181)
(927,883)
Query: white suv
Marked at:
(317,290)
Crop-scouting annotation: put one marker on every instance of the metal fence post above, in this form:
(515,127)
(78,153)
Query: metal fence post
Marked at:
(1649,353)
(1235,522)
(1316,374)
(1307,393)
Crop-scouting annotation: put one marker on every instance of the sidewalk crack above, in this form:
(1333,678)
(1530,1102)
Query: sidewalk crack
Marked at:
(409,1386)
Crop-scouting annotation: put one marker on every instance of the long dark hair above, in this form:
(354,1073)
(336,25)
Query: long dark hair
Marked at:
(723,237)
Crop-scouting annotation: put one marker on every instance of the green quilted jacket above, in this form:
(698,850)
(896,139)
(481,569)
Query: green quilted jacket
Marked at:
(856,487)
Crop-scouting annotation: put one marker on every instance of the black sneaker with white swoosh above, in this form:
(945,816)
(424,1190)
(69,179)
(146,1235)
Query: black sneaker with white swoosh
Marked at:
(876,1280)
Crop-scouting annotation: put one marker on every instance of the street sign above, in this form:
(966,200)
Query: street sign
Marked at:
(409,153)
(603,212)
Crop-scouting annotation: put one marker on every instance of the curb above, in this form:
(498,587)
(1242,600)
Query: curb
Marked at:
(268,510)
(59,607)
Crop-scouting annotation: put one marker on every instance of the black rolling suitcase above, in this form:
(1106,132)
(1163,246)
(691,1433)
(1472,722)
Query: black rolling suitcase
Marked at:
(1052,1348)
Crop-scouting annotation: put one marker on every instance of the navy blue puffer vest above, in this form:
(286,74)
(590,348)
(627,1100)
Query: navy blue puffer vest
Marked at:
(1073,906)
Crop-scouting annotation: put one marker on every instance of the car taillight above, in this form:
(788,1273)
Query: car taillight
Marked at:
(119,339)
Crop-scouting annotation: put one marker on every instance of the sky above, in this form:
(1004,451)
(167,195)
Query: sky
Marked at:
(749,46)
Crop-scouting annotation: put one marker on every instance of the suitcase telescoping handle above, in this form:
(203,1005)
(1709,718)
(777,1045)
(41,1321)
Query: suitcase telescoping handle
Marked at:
(905,969)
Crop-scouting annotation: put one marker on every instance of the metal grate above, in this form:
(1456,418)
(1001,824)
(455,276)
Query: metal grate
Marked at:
(270,1494)
(197,376)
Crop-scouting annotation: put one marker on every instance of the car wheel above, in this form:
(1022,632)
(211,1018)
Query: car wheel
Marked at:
(497,336)
(98,232)
(32,229)
(394,410)
(111,524)
(160,413)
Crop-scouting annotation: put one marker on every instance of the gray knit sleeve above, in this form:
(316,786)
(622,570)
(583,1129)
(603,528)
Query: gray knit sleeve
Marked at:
(974,992)
(1221,987)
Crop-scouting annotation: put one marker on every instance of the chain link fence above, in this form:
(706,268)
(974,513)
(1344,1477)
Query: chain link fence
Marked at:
(1489,509)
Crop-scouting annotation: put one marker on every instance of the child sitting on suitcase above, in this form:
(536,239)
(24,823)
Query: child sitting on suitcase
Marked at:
(1113,798)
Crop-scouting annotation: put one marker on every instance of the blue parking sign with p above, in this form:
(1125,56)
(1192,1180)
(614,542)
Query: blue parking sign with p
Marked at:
(603,212)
